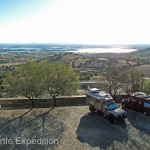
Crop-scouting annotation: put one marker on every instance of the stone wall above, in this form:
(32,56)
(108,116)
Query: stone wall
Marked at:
(44,103)
(39,103)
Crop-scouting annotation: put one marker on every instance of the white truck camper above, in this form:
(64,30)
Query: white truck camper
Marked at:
(103,103)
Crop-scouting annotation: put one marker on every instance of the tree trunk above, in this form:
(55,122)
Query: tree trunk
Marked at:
(54,98)
(114,97)
(32,102)
(114,94)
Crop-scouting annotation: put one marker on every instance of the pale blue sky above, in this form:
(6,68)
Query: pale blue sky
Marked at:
(75,21)
(13,10)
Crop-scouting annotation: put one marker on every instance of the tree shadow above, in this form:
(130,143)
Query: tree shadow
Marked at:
(32,124)
(98,132)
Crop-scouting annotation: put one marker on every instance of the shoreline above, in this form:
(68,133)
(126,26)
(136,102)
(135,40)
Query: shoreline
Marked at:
(78,50)
(104,50)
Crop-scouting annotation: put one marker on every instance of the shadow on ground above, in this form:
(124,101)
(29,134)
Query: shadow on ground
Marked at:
(32,124)
(139,121)
(98,132)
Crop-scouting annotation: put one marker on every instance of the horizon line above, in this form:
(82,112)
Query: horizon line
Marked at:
(74,43)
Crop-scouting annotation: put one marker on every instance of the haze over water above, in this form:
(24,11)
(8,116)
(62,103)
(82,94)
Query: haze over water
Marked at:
(105,50)
(73,48)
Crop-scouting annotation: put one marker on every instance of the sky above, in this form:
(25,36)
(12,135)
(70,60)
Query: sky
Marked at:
(75,21)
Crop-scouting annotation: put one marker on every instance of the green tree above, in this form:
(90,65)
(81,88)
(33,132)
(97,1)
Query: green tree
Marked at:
(27,81)
(146,86)
(60,79)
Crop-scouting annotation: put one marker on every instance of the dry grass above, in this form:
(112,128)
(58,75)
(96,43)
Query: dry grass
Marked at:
(12,64)
(145,69)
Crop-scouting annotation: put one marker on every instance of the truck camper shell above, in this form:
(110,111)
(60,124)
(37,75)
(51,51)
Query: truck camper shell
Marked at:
(99,95)
(102,102)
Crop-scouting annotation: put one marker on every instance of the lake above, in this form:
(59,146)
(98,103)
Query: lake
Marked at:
(62,48)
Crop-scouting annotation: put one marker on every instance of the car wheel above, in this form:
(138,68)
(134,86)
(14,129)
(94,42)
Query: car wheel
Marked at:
(145,113)
(92,109)
(99,112)
(123,105)
(111,119)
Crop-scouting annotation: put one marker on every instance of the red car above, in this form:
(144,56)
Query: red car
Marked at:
(138,101)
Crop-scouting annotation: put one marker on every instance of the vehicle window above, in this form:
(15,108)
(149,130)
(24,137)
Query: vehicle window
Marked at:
(127,99)
(105,106)
(113,106)
(133,100)
(88,96)
(147,105)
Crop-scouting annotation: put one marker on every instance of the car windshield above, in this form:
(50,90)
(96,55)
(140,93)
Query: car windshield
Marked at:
(112,106)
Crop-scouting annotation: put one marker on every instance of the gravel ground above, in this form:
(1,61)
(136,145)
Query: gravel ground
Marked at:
(72,128)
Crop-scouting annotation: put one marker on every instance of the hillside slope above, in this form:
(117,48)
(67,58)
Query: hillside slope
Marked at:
(143,53)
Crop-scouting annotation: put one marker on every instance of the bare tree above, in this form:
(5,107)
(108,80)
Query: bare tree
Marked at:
(114,79)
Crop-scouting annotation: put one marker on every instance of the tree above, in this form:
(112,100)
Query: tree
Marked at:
(146,86)
(134,79)
(114,79)
(27,81)
(33,79)
(60,79)
(1,85)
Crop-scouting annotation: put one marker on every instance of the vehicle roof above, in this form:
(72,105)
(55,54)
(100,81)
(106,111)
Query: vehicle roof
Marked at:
(141,95)
(100,95)
(93,89)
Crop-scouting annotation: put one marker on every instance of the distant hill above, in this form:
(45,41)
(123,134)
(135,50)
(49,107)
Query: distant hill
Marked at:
(143,53)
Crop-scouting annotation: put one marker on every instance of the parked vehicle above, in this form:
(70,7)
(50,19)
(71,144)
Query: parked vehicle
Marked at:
(139,101)
(102,102)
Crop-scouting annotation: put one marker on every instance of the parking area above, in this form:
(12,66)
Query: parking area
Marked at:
(75,128)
